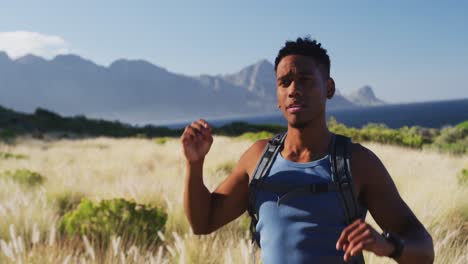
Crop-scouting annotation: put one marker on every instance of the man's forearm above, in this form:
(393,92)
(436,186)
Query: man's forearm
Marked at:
(197,198)
(418,248)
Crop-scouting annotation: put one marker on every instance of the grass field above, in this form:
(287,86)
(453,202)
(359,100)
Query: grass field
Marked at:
(152,171)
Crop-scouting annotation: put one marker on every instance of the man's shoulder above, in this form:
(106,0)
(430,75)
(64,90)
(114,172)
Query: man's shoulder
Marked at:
(363,156)
(256,149)
(366,167)
(252,155)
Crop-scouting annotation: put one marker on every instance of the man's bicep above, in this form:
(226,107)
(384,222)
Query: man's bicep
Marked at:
(383,200)
(230,198)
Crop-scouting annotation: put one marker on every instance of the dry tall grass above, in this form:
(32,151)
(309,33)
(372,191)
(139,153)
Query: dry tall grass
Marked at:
(147,172)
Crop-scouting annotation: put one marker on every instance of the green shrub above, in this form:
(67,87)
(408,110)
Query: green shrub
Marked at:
(411,137)
(254,136)
(7,134)
(239,128)
(67,202)
(7,155)
(462,177)
(24,177)
(453,140)
(463,125)
(161,140)
(100,220)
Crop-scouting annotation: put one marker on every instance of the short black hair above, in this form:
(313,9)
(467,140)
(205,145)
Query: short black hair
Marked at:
(305,47)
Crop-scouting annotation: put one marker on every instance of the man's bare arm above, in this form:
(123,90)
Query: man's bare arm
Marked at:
(391,213)
(207,211)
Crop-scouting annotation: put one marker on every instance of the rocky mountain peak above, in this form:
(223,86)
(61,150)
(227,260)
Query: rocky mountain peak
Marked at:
(365,96)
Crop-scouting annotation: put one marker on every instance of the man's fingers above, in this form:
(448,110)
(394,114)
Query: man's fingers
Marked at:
(358,230)
(189,135)
(205,124)
(204,127)
(357,248)
(192,132)
(345,233)
(198,127)
(359,242)
(198,130)
(358,239)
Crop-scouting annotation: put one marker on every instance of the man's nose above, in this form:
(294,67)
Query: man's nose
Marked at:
(294,89)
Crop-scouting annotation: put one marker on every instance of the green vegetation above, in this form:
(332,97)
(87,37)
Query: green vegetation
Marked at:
(117,217)
(44,121)
(67,202)
(252,136)
(452,140)
(239,128)
(462,177)
(161,140)
(411,137)
(7,135)
(24,177)
(7,155)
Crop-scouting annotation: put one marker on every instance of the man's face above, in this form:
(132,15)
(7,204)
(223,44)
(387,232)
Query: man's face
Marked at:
(302,90)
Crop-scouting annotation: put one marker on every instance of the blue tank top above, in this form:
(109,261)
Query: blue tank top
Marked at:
(304,229)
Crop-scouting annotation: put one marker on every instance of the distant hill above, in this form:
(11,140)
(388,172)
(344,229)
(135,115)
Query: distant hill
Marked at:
(365,97)
(137,91)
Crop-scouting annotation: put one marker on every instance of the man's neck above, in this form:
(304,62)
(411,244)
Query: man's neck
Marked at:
(307,143)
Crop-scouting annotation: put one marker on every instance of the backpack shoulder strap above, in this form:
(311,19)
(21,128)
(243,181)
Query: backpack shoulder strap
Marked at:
(262,168)
(265,161)
(341,174)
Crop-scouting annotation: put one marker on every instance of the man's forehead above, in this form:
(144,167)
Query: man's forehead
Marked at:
(297,65)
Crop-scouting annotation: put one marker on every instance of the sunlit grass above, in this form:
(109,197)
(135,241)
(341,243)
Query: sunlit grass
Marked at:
(152,171)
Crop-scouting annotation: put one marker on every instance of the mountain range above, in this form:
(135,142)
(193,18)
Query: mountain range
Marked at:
(136,91)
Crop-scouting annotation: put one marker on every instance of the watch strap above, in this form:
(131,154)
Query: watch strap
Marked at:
(397,242)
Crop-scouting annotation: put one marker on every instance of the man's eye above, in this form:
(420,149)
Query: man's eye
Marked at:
(285,83)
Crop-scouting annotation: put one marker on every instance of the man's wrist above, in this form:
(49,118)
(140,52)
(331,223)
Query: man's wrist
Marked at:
(195,163)
(397,244)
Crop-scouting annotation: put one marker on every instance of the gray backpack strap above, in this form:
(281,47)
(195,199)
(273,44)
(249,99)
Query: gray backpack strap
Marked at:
(341,174)
(263,166)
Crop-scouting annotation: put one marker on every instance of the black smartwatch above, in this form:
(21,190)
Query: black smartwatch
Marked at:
(397,242)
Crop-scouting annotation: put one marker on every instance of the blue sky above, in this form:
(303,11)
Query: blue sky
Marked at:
(406,50)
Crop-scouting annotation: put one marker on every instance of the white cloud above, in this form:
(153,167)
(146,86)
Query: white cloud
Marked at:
(20,43)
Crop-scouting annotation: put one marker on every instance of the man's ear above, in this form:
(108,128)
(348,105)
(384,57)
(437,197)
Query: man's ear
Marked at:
(330,88)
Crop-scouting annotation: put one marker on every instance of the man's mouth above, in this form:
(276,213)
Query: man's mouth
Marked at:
(295,107)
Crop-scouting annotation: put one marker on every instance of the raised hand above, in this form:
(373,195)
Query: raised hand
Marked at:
(359,236)
(196,140)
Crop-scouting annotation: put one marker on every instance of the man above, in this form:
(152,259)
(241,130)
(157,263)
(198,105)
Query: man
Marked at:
(310,231)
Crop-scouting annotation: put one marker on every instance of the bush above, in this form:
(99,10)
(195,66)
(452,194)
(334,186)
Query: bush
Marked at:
(256,136)
(463,126)
(99,221)
(453,140)
(24,177)
(7,134)
(7,155)
(463,177)
(161,140)
(410,137)
(67,202)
